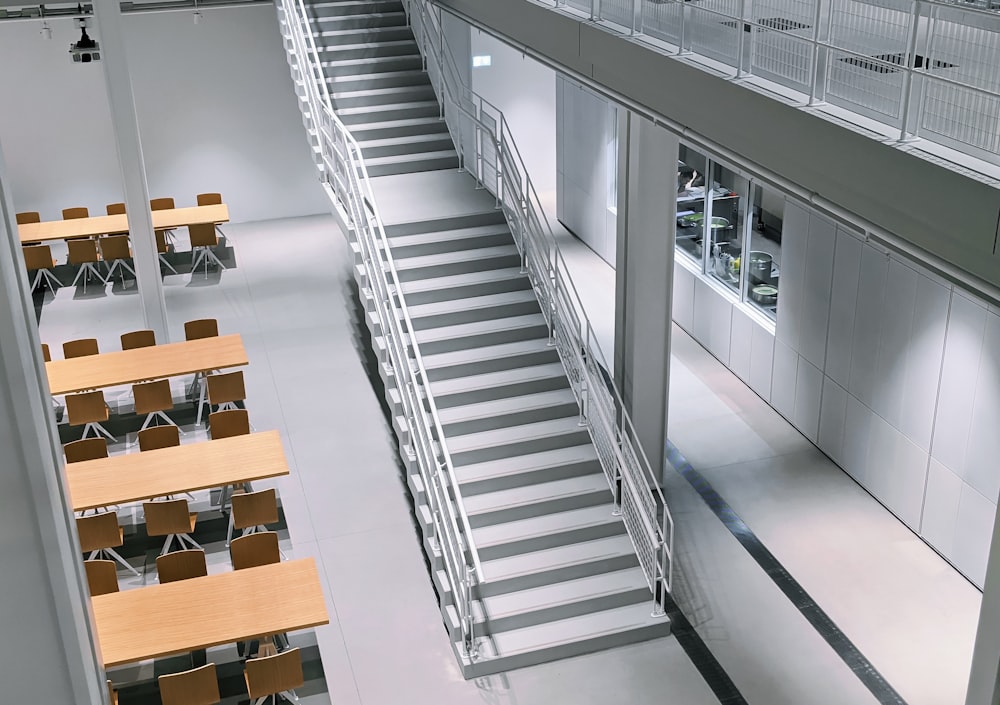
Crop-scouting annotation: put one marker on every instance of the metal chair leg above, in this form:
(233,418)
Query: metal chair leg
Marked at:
(98,429)
(165,263)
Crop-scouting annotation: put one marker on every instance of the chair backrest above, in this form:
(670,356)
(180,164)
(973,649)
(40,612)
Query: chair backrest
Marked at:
(99,531)
(37,257)
(181,565)
(161,204)
(115,208)
(34,217)
(112,694)
(209,199)
(199,686)
(165,436)
(201,328)
(82,250)
(161,241)
(102,577)
(274,674)
(72,213)
(138,339)
(87,449)
(80,348)
(152,396)
(255,508)
(225,424)
(254,550)
(226,387)
(88,407)
(115,247)
(167,517)
(203,235)
(46,355)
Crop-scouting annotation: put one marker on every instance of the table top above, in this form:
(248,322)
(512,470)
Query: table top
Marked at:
(161,620)
(184,468)
(101,224)
(155,362)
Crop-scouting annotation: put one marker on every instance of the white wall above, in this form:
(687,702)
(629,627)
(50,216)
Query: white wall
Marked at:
(892,371)
(584,166)
(216,109)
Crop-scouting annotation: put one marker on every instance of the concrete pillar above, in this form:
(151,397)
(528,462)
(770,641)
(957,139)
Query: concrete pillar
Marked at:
(126,126)
(647,166)
(47,653)
(984,680)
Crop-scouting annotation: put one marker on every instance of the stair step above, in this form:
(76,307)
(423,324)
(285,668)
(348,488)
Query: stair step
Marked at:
(412,163)
(533,500)
(434,242)
(362,35)
(489,332)
(407,144)
(575,560)
(523,470)
(509,411)
(476,308)
(356,68)
(389,111)
(432,125)
(546,603)
(507,442)
(462,391)
(382,96)
(493,216)
(361,20)
(364,50)
(547,531)
(489,358)
(445,264)
(462,286)
(381,80)
(353,7)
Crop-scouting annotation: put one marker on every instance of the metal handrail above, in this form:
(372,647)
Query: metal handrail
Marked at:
(493,158)
(346,178)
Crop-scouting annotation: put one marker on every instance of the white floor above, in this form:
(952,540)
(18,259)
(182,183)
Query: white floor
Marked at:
(345,503)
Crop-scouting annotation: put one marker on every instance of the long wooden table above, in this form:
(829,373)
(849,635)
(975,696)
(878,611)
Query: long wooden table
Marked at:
(185,468)
(109,224)
(155,362)
(175,618)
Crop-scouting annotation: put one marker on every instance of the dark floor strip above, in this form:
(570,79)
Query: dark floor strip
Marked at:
(844,647)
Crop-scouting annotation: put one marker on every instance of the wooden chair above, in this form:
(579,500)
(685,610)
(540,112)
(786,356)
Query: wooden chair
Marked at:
(74,213)
(156,437)
(171,519)
(153,399)
(162,248)
(102,577)
(251,511)
(254,550)
(201,328)
(224,390)
(225,424)
(25,217)
(138,339)
(181,565)
(89,409)
(112,694)
(83,252)
(163,204)
(209,199)
(38,259)
(115,209)
(203,239)
(271,676)
(100,535)
(199,686)
(85,449)
(46,355)
(115,249)
(80,348)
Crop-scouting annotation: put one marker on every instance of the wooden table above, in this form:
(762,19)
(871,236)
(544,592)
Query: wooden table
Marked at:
(155,362)
(185,468)
(109,224)
(162,620)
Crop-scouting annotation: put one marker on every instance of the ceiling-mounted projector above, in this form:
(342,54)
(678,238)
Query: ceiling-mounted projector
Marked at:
(85,49)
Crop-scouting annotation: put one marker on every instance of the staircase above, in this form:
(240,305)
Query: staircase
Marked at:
(560,573)
(378,87)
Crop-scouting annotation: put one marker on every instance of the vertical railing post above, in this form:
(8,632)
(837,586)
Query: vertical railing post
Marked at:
(682,47)
(742,42)
(906,91)
(636,17)
(595,10)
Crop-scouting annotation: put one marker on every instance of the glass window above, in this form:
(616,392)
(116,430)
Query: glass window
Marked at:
(725,224)
(691,169)
(763,266)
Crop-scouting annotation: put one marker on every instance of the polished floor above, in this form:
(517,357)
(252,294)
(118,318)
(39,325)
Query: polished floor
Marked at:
(292,298)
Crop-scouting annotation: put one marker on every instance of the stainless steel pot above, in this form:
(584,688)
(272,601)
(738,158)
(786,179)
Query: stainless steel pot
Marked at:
(761,264)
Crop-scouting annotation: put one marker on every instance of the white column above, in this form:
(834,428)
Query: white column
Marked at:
(984,680)
(46,650)
(647,177)
(126,126)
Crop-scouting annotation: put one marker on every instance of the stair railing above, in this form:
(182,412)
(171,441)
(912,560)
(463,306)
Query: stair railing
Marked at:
(346,180)
(487,151)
